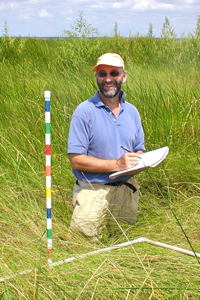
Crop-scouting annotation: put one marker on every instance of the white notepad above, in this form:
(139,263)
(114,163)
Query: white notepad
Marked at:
(147,160)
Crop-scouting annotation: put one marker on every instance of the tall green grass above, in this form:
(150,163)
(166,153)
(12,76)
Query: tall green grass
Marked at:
(163,83)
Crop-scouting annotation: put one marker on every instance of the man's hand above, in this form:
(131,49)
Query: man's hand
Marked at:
(127,161)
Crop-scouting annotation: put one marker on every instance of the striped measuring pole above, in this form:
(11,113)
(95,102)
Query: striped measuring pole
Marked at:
(47,96)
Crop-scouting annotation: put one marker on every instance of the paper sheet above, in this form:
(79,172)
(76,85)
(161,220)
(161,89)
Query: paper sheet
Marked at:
(147,160)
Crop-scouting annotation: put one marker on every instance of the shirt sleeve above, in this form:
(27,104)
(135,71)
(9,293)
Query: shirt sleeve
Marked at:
(139,143)
(78,139)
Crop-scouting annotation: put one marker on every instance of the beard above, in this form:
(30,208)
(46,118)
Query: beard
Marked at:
(110,94)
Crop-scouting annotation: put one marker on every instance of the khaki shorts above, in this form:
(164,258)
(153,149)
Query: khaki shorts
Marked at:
(94,203)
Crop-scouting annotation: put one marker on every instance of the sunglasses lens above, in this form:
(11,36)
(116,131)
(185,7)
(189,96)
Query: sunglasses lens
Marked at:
(113,73)
(102,74)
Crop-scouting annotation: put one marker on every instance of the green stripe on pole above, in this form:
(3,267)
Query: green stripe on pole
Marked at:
(49,235)
(47,128)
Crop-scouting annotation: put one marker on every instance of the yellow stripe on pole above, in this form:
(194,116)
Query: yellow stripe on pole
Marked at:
(48,192)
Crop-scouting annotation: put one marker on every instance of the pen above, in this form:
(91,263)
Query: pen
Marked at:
(125,148)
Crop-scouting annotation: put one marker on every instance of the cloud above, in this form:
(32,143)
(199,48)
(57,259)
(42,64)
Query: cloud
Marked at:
(130,15)
(7,6)
(23,17)
(44,14)
(152,5)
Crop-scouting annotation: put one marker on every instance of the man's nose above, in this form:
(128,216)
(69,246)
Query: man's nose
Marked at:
(108,77)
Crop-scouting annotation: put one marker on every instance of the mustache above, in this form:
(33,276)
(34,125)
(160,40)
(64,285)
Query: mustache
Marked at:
(113,82)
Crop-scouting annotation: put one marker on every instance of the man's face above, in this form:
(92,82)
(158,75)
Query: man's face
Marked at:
(109,80)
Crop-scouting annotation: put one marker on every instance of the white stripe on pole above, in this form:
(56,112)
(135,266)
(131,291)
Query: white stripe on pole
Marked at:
(48,139)
(48,160)
(48,202)
(47,117)
(49,223)
(48,181)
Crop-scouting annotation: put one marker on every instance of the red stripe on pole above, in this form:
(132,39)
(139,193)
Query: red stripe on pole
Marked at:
(49,253)
(48,149)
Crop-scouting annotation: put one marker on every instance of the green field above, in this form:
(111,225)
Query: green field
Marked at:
(163,83)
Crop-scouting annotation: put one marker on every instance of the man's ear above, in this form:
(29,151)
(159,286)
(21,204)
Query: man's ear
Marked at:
(125,77)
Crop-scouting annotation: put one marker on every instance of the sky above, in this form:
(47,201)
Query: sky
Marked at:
(51,18)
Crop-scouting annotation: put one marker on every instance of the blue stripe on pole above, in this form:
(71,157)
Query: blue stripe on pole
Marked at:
(47,105)
(48,213)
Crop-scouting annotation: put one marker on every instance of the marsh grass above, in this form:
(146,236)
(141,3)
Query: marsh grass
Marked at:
(163,83)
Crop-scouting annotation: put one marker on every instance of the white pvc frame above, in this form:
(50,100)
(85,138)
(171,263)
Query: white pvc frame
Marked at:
(129,243)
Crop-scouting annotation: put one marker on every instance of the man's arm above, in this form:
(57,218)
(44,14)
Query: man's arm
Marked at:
(91,164)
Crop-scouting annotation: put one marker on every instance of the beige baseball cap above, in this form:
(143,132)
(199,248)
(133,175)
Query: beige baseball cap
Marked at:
(109,59)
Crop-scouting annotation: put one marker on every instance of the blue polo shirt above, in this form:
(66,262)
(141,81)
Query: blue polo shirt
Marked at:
(95,131)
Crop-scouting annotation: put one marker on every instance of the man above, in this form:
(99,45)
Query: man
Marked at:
(98,128)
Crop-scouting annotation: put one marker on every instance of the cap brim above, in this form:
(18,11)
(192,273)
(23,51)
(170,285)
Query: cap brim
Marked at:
(95,68)
(106,64)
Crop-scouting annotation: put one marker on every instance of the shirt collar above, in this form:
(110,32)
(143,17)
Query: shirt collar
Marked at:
(98,103)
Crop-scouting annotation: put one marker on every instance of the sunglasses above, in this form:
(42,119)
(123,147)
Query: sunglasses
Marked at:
(113,73)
